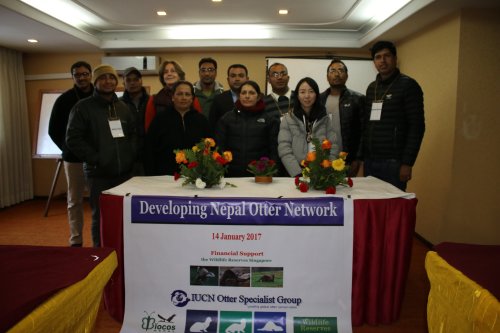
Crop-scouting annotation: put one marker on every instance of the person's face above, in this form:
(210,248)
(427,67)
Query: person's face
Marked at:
(106,83)
(207,73)
(182,98)
(385,62)
(237,76)
(82,77)
(337,75)
(132,83)
(307,96)
(170,75)
(278,77)
(248,96)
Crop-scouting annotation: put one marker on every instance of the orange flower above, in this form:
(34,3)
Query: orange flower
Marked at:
(215,155)
(180,157)
(210,142)
(326,144)
(343,155)
(311,156)
(228,156)
(326,164)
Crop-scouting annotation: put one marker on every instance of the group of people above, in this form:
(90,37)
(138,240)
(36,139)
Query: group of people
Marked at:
(136,134)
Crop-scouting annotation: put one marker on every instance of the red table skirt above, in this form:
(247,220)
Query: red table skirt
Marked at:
(383,235)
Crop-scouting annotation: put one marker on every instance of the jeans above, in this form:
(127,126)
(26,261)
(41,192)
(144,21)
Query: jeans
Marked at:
(386,170)
(76,187)
(96,186)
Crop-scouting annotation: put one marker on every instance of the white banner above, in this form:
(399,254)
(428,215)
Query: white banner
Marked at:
(212,265)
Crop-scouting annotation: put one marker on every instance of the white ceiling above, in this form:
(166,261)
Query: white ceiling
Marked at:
(126,26)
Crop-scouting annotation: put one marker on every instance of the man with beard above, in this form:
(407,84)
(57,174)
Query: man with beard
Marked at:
(345,107)
(81,72)
(207,88)
(102,133)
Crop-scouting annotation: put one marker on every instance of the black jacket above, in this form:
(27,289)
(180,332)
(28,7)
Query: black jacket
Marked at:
(351,109)
(249,136)
(222,103)
(169,131)
(399,132)
(59,120)
(89,137)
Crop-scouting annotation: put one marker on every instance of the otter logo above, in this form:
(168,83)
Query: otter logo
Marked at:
(179,298)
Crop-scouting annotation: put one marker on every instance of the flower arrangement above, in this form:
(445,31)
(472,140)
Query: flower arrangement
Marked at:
(264,167)
(203,165)
(321,173)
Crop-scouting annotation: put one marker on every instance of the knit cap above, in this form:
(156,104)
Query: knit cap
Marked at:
(104,69)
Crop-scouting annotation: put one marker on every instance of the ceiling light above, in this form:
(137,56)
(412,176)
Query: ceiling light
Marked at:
(283,11)
(216,0)
(32,40)
(161,13)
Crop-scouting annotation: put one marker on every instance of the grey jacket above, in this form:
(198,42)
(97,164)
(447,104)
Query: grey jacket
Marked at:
(292,143)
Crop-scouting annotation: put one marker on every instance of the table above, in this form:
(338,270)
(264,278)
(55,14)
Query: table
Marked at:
(464,288)
(52,289)
(384,224)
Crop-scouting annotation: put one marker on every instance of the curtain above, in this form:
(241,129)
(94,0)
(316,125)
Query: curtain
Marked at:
(16,179)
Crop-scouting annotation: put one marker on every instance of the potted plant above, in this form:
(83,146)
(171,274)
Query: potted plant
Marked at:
(263,169)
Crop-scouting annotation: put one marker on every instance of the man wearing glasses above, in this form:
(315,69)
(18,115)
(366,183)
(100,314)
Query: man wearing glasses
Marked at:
(81,72)
(345,106)
(207,88)
(280,100)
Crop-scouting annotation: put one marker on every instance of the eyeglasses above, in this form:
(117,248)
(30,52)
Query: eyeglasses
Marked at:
(207,70)
(336,71)
(279,74)
(81,75)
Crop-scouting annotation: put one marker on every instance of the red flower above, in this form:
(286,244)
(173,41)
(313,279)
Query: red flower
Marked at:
(303,187)
(349,182)
(297,179)
(192,165)
(331,190)
(176,176)
(220,160)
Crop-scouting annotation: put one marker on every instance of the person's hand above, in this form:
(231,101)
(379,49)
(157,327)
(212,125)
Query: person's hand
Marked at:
(405,173)
(354,168)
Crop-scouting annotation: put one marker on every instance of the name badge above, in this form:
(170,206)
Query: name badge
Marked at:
(376,112)
(116,128)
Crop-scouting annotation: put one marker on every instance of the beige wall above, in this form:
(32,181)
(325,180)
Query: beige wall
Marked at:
(454,178)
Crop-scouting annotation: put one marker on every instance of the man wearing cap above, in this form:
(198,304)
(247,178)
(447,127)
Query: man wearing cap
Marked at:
(136,97)
(81,72)
(394,122)
(102,132)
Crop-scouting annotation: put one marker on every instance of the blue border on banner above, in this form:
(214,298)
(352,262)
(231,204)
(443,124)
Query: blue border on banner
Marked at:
(237,211)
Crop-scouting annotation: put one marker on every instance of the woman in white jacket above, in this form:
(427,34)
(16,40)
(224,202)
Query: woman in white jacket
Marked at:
(308,120)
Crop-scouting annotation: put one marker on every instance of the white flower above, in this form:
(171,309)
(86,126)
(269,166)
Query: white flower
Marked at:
(200,183)
(222,183)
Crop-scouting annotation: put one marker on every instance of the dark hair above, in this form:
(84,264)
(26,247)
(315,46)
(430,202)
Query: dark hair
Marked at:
(205,60)
(178,69)
(380,45)
(275,64)
(250,83)
(80,64)
(237,66)
(181,82)
(317,107)
(336,61)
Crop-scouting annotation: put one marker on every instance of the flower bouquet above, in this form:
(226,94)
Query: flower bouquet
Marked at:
(321,173)
(263,169)
(203,165)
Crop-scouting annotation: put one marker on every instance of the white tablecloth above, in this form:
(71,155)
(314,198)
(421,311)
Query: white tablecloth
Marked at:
(363,188)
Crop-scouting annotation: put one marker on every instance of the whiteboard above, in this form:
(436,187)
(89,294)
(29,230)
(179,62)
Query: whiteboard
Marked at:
(361,71)
(44,147)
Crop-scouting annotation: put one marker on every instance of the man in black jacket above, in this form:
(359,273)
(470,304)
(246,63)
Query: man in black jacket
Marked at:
(102,132)
(346,108)
(81,72)
(394,123)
